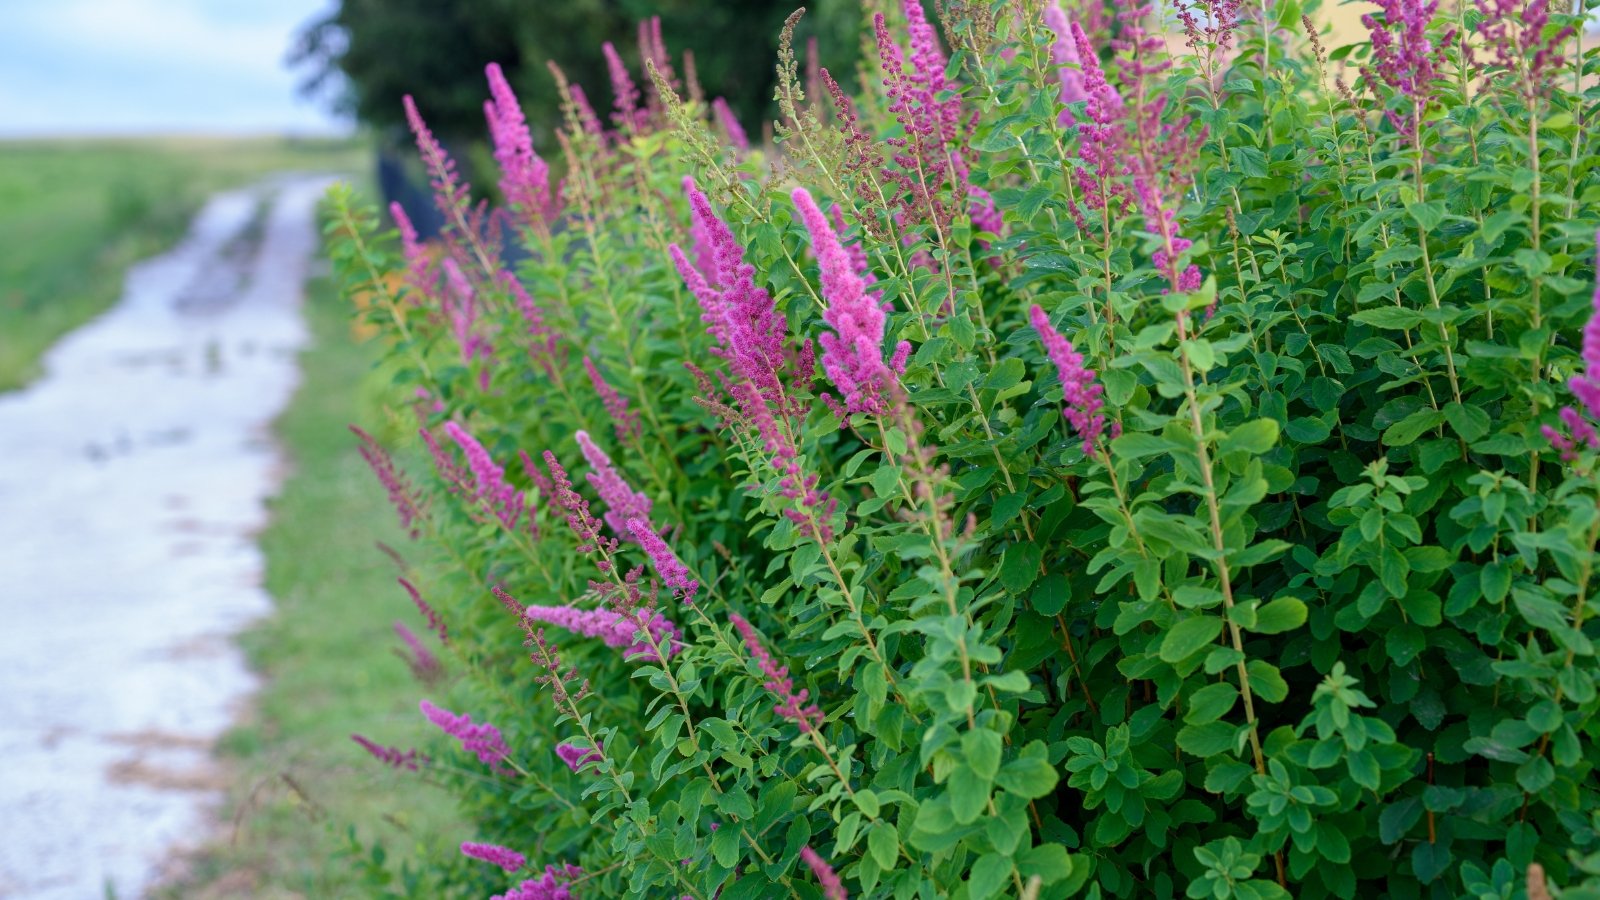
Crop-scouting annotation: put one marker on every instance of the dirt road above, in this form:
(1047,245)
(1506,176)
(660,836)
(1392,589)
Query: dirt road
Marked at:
(133,477)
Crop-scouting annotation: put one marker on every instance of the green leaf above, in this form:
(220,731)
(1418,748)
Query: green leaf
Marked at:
(1019,567)
(982,749)
(1364,769)
(1429,861)
(884,845)
(989,875)
(1249,160)
(1266,681)
(1470,422)
(1029,777)
(1050,595)
(1282,614)
(969,794)
(1211,703)
(725,847)
(1256,436)
(1428,214)
(1391,317)
(1137,445)
(1053,864)
(867,801)
(1407,430)
(1206,740)
(1188,637)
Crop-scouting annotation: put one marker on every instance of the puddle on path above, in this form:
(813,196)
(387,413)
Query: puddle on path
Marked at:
(132,481)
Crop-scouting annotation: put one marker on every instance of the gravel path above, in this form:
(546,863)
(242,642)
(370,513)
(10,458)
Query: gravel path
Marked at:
(133,482)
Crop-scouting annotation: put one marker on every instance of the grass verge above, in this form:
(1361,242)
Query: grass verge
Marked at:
(326,655)
(74,214)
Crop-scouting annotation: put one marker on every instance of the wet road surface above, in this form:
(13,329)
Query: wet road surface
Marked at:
(133,476)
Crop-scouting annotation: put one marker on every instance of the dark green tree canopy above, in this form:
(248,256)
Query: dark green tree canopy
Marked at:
(366,54)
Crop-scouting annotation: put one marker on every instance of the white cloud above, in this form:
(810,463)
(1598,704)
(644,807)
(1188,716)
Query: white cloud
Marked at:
(150,65)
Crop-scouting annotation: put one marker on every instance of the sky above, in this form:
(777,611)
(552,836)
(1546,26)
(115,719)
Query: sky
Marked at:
(75,67)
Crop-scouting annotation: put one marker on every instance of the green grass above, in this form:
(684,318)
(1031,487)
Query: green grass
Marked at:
(75,213)
(326,656)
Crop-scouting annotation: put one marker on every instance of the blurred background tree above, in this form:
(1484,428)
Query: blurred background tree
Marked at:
(366,54)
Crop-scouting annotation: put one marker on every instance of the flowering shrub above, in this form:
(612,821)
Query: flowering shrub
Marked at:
(1085,462)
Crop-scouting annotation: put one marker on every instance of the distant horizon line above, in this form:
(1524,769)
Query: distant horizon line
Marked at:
(179,132)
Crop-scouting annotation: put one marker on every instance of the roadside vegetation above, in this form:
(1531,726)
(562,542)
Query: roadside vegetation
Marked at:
(327,661)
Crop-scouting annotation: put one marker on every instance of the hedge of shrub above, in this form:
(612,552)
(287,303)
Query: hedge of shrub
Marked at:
(1115,454)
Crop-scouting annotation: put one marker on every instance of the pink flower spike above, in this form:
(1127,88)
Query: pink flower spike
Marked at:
(461,305)
(739,314)
(1584,385)
(390,756)
(852,355)
(555,884)
(419,265)
(482,740)
(622,502)
(504,857)
(492,489)
(624,95)
(401,494)
(615,629)
(435,624)
(625,422)
(832,888)
(667,565)
(730,125)
(1079,390)
(577,757)
(524,177)
(424,665)
(1064,56)
(792,703)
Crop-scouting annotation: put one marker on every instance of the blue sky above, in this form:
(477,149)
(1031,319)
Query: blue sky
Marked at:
(153,66)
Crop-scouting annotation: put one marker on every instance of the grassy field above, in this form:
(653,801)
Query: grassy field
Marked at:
(327,660)
(75,214)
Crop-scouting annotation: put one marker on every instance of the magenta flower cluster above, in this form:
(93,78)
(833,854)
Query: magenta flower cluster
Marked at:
(852,355)
(1405,59)
(391,756)
(791,702)
(1515,32)
(668,566)
(623,421)
(524,176)
(435,624)
(577,757)
(934,153)
(461,307)
(739,314)
(832,887)
(1585,386)
(615,629)
(544,344)
(419,263)
(480,739)
(423,664)
(401,494)
(1064,56)
(553,885)
(504,857)
(490,486)
(1079,390)
(622,502)
(625,96)
(730,125)
(451,193)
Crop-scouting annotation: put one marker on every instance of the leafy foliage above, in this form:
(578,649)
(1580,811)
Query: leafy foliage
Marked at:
(1306,612)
